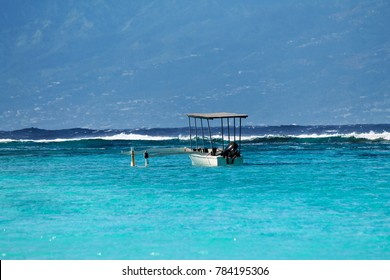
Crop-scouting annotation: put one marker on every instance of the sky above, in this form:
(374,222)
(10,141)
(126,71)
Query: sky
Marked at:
(129,64)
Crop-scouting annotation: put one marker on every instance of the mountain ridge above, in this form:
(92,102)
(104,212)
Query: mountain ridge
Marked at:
(134,64)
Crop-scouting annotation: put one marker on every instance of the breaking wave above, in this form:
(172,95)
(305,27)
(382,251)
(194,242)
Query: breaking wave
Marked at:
(249,134)
(350,137)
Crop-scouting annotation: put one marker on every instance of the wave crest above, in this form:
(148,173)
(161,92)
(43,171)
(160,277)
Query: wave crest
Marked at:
(330,136)
(370,136)
(116,137)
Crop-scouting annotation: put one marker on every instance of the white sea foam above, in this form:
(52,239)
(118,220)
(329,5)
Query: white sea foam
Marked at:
(40,140)
(7,140)
(143,137)
(369,136)
(120,136)
(131,136)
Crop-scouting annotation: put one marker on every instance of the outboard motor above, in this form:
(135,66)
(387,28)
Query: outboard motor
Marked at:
(231,151)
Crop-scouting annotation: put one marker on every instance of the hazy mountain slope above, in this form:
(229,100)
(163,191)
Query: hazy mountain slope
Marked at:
(146,63)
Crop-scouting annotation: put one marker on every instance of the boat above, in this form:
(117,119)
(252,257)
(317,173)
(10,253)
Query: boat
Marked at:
(203,149)
(206,150)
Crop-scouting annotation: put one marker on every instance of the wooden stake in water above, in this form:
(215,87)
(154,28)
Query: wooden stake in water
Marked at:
(146,156)
(132,157)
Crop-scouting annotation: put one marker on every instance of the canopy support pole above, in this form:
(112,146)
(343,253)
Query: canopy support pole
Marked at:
(196,134)
(239,139)
(189,124)
(234,129)
(204,146)
(223,144)
(228,123)
(211,140)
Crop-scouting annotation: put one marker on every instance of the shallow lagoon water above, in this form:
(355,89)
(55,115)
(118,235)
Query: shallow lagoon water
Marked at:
(292,199)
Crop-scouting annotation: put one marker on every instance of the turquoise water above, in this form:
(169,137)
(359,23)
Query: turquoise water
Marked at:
(324,198)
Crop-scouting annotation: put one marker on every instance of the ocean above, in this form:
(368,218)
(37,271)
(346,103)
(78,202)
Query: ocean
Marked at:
(304,192)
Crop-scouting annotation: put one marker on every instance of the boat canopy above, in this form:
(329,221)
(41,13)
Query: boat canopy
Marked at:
(224,117)
(211,116)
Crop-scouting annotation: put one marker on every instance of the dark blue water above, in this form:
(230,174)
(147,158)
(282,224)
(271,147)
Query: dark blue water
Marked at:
(313,192)
(379,130)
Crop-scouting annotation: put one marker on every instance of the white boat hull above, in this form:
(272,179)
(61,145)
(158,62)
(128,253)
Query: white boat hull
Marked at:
(208,160)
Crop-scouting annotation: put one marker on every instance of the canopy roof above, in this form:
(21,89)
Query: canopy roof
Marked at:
(211,116)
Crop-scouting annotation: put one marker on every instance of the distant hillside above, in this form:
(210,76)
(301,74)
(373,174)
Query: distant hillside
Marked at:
(125,64)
